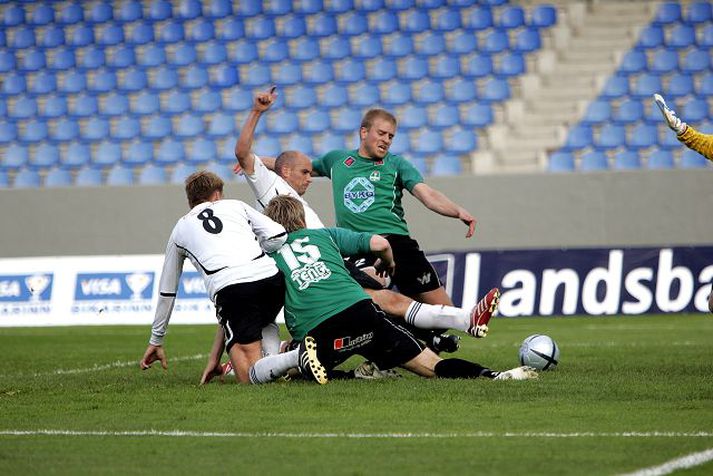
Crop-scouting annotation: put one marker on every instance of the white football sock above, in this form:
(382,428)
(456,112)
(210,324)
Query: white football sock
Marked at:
(274,366)
(436,316)
(270,339)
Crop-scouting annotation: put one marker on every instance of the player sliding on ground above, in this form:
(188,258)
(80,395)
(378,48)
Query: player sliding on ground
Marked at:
(327,310)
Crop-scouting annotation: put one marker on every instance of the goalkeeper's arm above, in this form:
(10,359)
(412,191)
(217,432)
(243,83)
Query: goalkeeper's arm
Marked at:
(701,143)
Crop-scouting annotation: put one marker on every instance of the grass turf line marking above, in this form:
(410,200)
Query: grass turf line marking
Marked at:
(684,462)
(478,434)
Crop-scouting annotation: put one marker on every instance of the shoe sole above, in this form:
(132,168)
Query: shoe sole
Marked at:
(315,366)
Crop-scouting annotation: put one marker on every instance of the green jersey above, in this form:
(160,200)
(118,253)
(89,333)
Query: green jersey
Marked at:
(367,193)
(318,284)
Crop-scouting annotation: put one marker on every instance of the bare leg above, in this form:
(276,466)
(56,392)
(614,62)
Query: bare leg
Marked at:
(437,296)
(423,364)
(243,356)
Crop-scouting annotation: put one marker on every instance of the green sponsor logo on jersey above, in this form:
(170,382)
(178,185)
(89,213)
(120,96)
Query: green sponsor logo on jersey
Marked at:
(359,195)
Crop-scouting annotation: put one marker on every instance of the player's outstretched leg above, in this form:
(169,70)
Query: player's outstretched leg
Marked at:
(482,312)
(309,363)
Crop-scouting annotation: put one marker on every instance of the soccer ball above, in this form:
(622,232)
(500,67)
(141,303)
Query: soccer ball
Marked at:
(540,351)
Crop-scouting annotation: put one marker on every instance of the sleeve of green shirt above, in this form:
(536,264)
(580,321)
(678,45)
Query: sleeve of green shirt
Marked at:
(350,242)
(323,165)
(410,176)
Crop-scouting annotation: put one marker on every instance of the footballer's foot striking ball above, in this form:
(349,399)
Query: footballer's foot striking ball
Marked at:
(540,351)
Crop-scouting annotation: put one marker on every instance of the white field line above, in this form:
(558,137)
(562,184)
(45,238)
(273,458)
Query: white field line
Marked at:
(479,434)
(112,365)
(684,462)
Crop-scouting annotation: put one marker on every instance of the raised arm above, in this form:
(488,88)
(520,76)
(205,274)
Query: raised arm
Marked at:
(243,147)
(691,138)
(439,203)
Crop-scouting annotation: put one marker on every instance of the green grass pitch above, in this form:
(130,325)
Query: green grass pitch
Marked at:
(630,393)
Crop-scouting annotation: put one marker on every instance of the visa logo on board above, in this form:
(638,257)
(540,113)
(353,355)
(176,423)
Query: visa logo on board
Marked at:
(26,287)
(114,286)
(192,286)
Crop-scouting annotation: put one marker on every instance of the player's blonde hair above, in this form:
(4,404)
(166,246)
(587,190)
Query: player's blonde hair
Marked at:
(287,211)
(201,185)
(372,114)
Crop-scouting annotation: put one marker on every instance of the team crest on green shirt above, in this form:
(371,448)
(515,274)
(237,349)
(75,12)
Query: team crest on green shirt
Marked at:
(359,194)
(375,176)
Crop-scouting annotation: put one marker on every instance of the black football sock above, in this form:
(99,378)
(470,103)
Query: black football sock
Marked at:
(459,368)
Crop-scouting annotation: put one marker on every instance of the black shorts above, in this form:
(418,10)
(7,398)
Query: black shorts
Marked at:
(414,273)
(243,309)
(365,330)
(364,280)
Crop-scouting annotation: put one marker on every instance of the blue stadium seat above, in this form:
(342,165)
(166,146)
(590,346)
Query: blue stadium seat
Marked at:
(171,32)
(384,22)
(633,61)
(16,155)
(123,56)
(144,103)
(495,42)
(184,54)
(682,36)
(446,19)
(426,142)
(125,128)
(561,162)
(200,30)
(223,75)
(256,74)
(94,129)
(107,154)
(414,21)
(243,52)
(543,16)
(156,127)
(699,12)
(220,125)
(412,116)
(300,143)
(44,156)
(149,55)
(237,100)
(495,90)
(151,175)
(194,77)
(610,136)
(643,136)
(352,23)
(349,70)
(460,141)
(660,159)
(22,108)
(691,159)
(277,7)
(58,178)
(304,49)
(597,111)
(206,100)
(53,106)
(300,97)
(428,91)
(478,18)
(64,129)
(651,36)
(132,79)
(101,81)
(667,139)
(13,15)
(695,110)
(13,83)
(259,28)
(163,79)
(381,69)
(35,130)
(341,6)
(511,17)
(461,42)
(247,9)
(477,66)
(293,26)
(578,137)
(88,177)
(189,9)
(368,47)
(345,119)
(317,72)
(201,151)
(446,165)
(668,12)
(308,7)
(75,155)
(42,15)
(120,175)
(696,61)
(61,59)
(159,10)
(42,83)
(432,4)
(51,37)
(413,67)
(527,40)
(336,47)
(444,67)
(180,173)
(510,64)
(32,60)
(188,126)
(274,50)
(430,43)
(332,95)
(460,90)
(140,33)
(110,34)
(705,36)
(26,178)
(81,35)
(99,12)
(129,10)
(627,160)
(615,87)
(397,45)
(90,58)
(170,152)
(400,144)
(138,153)
(476,114)
(645,86)
(679,85)
(282,122)
(315,122)
(705,85)
(594,161)
(628,111)
(23,38)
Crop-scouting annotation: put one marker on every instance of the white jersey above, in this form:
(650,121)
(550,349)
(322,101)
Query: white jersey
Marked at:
(224,240)
(266,185)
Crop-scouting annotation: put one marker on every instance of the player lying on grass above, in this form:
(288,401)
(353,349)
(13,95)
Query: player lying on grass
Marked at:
(226,241)
(691,138)
(292,176)
(332,315)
